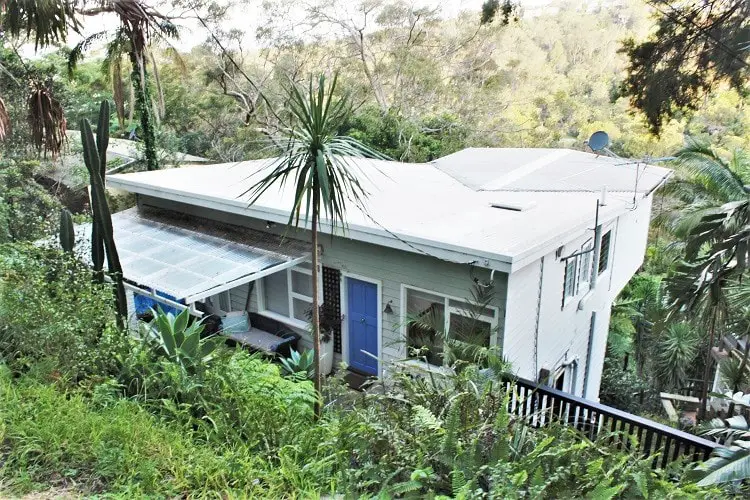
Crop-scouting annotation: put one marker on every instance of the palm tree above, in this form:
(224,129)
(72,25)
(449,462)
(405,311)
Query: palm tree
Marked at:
(319,162)
(704,181)
(138,23)
(677,348)
(48,23)
(715,227)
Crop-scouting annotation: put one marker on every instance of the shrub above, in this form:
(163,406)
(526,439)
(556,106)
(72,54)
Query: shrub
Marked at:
(26,208)
(623,389)
(62,439)
(50,309)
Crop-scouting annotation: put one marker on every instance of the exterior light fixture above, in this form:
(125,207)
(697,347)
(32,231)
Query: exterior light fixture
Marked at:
(388,309)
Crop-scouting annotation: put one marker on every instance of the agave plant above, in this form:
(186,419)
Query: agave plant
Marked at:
(180,341)
(299,365)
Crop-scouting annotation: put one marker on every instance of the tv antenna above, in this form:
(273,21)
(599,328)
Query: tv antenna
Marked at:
(599,142)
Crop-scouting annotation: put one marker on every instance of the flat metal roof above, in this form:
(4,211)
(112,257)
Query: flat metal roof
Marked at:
(447,208)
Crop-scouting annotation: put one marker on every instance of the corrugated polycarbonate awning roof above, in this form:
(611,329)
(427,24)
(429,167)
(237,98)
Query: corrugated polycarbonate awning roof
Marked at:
(191,258)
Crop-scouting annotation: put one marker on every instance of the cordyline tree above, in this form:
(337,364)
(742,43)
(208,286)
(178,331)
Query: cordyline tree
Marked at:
(48,22)
(319,163)
(697,45)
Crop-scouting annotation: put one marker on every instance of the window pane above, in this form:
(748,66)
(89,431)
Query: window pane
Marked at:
(604,252)
(470,330)
(426,322)
(302,283)
(570,277)
(585,267)
(473,310)
(224,303)
(302,309)
(276,293)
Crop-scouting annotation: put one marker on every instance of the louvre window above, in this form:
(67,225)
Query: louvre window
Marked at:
(604,252)
(570,277)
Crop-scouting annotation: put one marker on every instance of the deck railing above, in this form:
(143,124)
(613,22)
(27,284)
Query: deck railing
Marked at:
(540,405)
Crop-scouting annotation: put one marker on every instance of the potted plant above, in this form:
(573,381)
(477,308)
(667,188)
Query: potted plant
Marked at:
(329,320)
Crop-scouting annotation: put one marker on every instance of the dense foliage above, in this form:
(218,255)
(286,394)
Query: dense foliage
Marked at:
(142,422)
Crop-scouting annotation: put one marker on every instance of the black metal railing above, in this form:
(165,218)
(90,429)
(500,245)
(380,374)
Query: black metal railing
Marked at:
(540,405)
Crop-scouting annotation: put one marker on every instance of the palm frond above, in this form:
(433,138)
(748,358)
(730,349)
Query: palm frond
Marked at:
(47,21)
(716,176)
(76,54)
(46,119)
(316,158)
(730,463)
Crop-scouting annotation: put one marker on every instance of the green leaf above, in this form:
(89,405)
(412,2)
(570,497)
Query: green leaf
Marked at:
(190,347)
(180,324)
(733,468)
(603,491)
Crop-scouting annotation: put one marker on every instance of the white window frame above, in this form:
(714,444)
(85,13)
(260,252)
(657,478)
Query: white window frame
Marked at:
(569,370)
(494,336)
(574,292)
(291,295)
(583,286)
(214,302)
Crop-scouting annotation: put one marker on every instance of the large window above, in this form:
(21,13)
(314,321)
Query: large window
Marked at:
(287,295)
(429,316)
(604,251)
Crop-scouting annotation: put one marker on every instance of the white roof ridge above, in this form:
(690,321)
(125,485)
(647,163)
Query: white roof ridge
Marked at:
(524,170)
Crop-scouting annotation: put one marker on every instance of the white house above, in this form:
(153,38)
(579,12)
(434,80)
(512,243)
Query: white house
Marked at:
(532,222)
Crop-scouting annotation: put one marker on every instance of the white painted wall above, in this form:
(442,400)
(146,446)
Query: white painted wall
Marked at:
(529,300)
(536,298)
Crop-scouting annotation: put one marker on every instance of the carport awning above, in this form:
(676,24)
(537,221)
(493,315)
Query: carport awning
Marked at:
(192,258)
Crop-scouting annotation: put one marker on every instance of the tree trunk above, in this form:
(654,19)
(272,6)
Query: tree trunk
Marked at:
(131,102)
(117,92)
(316,302)
(143,102)
(707,372)
(159,90)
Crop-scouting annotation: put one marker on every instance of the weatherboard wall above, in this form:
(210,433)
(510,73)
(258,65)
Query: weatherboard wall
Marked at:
(392,268)
(542,331)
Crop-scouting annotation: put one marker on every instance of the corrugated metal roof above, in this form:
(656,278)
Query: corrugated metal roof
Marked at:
(189,258)
(437,206)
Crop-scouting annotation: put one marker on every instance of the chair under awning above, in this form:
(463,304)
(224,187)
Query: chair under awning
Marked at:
(191,258)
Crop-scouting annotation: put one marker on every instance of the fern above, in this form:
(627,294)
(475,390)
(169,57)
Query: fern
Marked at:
(449,445)
(424,419)
(458,482)
(501,446)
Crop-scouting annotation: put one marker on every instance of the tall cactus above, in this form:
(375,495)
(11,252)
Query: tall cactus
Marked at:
(67,234)
(97,233)
(102,234)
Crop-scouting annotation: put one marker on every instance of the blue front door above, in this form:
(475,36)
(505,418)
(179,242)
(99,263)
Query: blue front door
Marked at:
(362,318)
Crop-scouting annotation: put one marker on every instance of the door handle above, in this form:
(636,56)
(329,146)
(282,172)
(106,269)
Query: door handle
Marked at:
(362,320)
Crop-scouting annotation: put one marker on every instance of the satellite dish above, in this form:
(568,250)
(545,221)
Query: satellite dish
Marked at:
(599,141)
